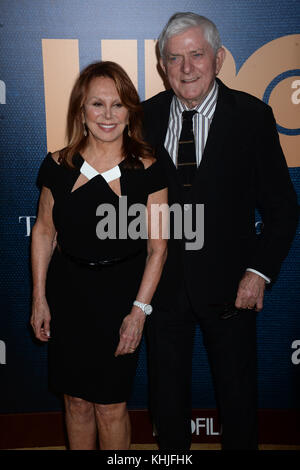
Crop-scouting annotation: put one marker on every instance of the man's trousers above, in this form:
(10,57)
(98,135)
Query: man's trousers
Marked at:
(231,351)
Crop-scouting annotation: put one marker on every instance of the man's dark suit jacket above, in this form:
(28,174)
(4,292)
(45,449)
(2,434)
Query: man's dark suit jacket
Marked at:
(242,169)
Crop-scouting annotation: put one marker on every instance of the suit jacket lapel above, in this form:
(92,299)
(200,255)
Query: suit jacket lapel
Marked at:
(162,153)
(164,114)
(219,129)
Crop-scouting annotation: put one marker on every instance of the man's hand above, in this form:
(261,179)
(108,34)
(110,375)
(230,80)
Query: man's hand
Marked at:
(250,293)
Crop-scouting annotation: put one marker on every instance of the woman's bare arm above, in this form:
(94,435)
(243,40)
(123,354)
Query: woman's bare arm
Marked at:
(132,326)
(42,246)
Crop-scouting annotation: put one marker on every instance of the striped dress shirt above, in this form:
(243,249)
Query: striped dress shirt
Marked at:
(201,123)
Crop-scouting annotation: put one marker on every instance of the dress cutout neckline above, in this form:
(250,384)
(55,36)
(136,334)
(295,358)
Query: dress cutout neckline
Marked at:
(89,172)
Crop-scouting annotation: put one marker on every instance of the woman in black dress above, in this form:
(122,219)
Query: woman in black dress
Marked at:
(95,265)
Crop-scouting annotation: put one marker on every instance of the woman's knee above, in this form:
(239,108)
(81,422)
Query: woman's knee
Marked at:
(78,406)
(111,412)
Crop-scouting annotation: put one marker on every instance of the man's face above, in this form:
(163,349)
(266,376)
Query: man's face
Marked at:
(191,65)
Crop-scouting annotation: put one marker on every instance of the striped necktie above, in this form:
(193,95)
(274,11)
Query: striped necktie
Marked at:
(186,158)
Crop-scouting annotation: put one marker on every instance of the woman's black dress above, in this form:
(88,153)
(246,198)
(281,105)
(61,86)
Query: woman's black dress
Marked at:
(88,304)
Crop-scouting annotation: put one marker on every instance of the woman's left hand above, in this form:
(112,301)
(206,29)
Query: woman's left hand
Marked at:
(131,332)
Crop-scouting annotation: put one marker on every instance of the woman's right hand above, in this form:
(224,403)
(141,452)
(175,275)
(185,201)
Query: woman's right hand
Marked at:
(40,319)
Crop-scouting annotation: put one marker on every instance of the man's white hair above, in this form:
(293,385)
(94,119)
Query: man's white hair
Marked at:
(181,21)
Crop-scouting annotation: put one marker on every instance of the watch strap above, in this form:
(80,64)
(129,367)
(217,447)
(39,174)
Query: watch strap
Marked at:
(142,306)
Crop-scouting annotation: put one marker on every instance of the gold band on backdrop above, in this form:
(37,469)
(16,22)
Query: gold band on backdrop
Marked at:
(61,66)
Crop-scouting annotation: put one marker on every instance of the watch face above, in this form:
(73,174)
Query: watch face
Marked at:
(148,309)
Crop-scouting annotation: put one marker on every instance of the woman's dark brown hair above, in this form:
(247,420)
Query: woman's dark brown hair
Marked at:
(134,147)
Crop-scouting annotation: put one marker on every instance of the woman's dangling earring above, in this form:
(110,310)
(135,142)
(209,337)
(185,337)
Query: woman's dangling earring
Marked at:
(128,131)
(84,129)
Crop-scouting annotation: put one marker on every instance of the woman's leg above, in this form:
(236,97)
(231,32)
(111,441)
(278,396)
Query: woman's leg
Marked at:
(113,426)
(81,423)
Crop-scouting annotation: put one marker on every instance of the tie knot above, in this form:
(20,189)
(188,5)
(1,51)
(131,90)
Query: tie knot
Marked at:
(188,115)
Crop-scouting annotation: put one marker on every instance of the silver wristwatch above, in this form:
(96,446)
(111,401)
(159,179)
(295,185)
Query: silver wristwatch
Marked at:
(147,309)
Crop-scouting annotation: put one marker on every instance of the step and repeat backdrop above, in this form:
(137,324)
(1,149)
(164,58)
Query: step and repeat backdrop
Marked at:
(44,44)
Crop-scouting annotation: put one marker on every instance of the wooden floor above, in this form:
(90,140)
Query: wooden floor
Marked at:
(194,447)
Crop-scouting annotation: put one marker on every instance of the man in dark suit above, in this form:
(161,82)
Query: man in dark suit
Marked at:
(225,155)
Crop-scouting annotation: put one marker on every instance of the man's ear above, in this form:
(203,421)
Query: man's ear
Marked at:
(220,57)
(161,63)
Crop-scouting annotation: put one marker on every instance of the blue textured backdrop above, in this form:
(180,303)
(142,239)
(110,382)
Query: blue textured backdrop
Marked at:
(245,27)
